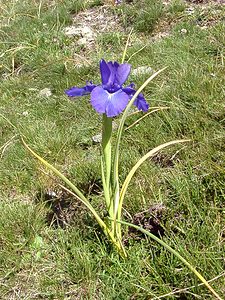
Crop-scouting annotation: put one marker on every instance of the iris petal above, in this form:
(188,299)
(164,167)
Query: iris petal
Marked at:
(105,72)
(129,91)
(90,86)
(140,101)
(99,97)
(111,104)
(112,67)
(76,91)
(122,73)
(117,103)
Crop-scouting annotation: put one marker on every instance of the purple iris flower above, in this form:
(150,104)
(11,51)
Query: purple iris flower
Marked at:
(110,98)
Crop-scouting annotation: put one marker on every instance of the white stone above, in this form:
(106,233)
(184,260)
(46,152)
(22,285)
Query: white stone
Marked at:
(46,92)
(86,30)
(142,70)
(183,31)
(97,138)
(190,10)
(82,41)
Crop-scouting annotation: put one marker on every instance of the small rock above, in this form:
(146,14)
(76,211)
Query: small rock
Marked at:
(25,113)
(97,138)
(166,3)
(142,70)
(204,27)
(46,92)
(82,41)
(183,31)
(86,30)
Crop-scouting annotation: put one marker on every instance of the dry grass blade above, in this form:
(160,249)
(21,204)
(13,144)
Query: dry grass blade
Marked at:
(145,115)
(187,289)
(6,145)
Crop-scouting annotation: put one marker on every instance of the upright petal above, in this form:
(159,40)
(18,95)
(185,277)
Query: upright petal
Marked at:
(113,69)
(111,104)
(122,73)
(105,72)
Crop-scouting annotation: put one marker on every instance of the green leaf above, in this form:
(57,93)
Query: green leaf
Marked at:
(78,194)
(174,252)
(137,165)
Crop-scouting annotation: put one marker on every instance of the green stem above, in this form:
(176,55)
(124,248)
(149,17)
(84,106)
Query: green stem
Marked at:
(106,146)
(200,277)
(107,157)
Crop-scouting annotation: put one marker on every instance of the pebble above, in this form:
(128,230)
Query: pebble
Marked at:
(25,113)
(97,138)
(183,31)
(190,10)
(142,70)
(46,92)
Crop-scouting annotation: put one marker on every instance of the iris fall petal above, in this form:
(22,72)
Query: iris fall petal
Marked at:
(76,91)
(111,104)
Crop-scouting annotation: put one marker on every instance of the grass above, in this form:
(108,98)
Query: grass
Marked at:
(143,15)
(50,247)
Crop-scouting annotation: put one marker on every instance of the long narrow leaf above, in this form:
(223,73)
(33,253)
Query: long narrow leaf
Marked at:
(59,174)
(105,228)
(137,165)
(145,115)
(126,46)
(120,129)
(77,193)
(174,252)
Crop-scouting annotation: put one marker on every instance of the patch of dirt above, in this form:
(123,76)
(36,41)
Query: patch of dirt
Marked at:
(152,220)
(163,160)
(95,21)
(101,19)
(64,210)
(92,187)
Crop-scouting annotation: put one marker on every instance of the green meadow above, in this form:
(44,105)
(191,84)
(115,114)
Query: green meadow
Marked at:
(50,245)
